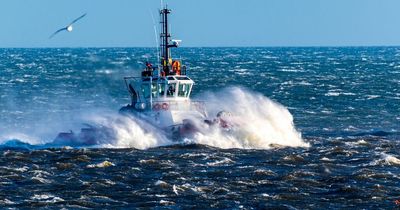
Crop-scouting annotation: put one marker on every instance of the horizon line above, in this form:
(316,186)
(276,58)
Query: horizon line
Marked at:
(270,46)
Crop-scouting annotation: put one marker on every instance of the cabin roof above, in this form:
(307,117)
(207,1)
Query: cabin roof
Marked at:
(180,78)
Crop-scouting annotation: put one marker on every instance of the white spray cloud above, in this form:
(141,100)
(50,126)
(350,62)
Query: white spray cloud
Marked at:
(130,132)
(261,122)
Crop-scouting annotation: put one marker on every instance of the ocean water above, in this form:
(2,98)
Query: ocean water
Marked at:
(321,129)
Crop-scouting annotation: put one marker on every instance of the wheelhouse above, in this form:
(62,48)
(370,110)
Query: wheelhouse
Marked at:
(147,90)
(164,88)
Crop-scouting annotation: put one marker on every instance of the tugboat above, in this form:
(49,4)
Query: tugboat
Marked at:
(161,95)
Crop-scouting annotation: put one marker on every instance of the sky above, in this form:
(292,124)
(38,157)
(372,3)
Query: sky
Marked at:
(201,23)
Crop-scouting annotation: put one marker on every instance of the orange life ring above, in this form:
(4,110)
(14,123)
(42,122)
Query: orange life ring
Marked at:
(165,106)
(156,106)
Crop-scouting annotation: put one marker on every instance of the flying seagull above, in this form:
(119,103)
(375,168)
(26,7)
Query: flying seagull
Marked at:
(69,26)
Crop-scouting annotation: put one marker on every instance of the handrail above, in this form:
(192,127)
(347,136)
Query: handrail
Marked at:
(142,77)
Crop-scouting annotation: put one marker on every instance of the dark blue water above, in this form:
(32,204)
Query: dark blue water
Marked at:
(344,102)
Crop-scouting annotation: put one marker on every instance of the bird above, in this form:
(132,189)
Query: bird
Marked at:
(68,27)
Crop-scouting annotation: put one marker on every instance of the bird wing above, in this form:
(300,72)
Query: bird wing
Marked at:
(78,19)
(58,31)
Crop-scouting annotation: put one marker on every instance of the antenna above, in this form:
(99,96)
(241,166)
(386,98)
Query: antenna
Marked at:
(155,36)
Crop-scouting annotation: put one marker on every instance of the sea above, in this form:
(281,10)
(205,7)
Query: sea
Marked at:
(320,128)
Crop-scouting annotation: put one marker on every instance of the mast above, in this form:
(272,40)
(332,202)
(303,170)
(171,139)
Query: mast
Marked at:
(164,36)
(165,39)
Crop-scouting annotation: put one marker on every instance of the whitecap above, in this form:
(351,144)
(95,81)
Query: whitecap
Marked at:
(224,161)
(167,203)
(369,97)
(41,180)
(162,184)
(391,160)
(332,94)
(386,159)
(6,202)
(103,164)
(22,169)
(362,142)
(47,198)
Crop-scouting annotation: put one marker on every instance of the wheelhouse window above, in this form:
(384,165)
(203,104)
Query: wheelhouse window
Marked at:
(183,90)
(171,90)
(170,78)
(182,78)
(161,89)
(154,90)
(146,90)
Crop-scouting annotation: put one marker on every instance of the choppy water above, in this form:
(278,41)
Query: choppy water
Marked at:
(343,101)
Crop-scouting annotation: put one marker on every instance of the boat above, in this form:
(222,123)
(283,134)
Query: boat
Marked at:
(160,96)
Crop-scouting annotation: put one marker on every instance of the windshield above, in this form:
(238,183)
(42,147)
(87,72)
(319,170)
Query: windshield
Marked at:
(171,90)
(154,90)
(183,90)
(161,89)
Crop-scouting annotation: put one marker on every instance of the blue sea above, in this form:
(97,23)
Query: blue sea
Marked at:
(321,130)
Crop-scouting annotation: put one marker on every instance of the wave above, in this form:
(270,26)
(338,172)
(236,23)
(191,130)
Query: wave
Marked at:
(262,124)
(385,159)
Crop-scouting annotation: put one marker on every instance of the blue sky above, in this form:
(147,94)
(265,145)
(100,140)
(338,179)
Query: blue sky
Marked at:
(128,23)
